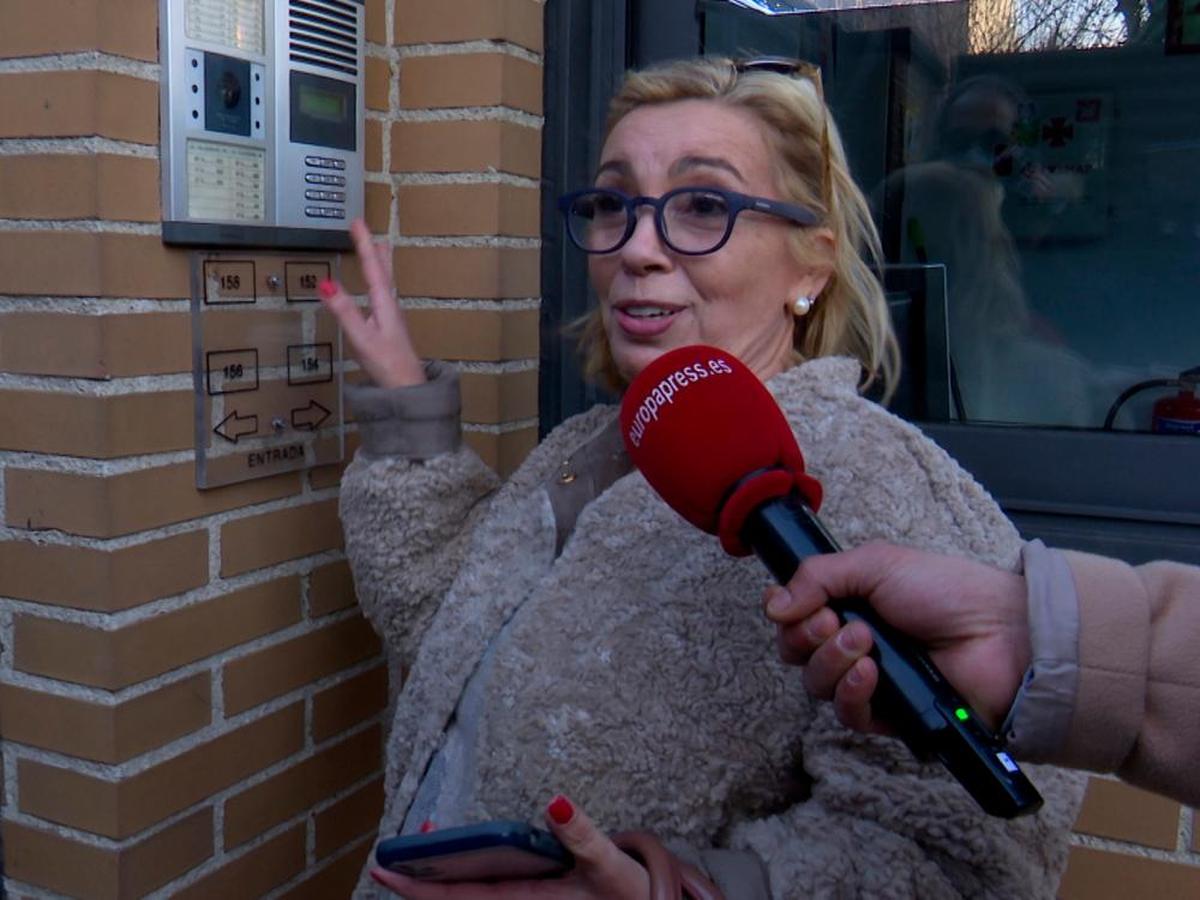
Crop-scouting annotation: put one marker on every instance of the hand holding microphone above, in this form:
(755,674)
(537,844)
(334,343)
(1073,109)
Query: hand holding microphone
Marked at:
(972,617)
(710,439)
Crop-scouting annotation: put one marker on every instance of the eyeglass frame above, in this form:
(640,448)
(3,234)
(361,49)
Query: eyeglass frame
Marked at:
(736,203)
(783,65)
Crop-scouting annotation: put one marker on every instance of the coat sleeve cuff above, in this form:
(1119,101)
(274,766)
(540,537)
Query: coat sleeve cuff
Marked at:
(417,422)
(1039,721)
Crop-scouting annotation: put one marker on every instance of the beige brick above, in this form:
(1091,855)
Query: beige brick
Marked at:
(466,146)
(120,809)
(493,399)
(378,207)
(78,104)
(516,21)
(351,817)
(101,427)
(116,659)
(99,506)
(377,22)
(301,786)
(259,541)
(489,272)
(468,209)
(43,27)
(86,346)
(109,734)
(373,149)
(503,452)
(104,265)
(330,476)
(471,79)
(252,874)
(283,667)
(1115,810)
(79,187)
(47,860)
(103,580)
(1099,875)
(337,879)
(474,334)
(379,76)
(330,588)
(344,705)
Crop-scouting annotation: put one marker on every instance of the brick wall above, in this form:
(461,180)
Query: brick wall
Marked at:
(190,702)
(1131,843)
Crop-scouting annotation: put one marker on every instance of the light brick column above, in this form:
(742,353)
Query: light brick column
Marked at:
(190,702)
(457,191)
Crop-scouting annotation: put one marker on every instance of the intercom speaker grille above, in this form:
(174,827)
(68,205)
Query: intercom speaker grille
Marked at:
(324,33)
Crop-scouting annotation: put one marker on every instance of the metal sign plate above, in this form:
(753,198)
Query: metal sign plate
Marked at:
(267,366)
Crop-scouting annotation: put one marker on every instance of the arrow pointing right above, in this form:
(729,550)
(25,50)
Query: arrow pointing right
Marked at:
(234,426)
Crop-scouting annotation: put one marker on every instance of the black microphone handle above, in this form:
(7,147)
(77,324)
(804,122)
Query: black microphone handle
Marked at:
(912,696)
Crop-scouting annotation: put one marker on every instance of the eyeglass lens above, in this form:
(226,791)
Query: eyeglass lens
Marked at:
(691,221)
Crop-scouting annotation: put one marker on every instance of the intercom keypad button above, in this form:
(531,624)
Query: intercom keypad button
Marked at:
(338,163)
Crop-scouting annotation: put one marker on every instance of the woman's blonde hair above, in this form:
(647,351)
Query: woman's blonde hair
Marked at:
(850,317)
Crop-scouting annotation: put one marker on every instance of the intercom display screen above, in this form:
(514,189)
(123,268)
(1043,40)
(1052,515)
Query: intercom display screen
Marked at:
(326,106)
(323,111)
(235,24)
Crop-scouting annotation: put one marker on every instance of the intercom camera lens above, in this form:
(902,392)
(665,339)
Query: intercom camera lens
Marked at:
(231,90)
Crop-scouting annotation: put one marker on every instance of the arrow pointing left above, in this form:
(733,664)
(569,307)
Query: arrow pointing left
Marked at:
(234,426)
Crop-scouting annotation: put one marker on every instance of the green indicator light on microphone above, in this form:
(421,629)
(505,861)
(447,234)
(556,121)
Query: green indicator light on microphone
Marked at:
(962,714)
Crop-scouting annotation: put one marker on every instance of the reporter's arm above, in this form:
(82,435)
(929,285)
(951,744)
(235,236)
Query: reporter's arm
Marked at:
(1112,684)
(1136,709)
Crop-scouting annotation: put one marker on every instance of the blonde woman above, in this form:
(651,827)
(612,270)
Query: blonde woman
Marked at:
(566,635)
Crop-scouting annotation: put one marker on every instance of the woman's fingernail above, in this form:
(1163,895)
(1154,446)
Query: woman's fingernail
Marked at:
(327,288)
(378,876)
(561,810)
(854,677)
(847,641)
(778,601)
(427,826)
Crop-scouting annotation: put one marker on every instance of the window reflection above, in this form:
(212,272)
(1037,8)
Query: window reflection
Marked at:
(1045,152)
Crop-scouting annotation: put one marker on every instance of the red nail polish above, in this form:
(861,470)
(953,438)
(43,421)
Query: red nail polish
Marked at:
(427,826)
(327,288)
(561,810)
(378,876)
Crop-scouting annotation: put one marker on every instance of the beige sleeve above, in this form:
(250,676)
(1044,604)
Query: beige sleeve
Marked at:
(1136,704)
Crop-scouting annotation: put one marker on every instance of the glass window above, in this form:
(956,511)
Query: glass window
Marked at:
(1034,166)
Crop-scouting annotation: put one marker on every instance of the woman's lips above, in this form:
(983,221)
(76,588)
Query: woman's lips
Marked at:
(644,320)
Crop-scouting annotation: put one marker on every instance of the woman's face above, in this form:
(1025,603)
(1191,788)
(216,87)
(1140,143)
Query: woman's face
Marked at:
(738,298)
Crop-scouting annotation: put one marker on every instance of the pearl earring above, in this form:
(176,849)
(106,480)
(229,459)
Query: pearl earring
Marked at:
(801,305)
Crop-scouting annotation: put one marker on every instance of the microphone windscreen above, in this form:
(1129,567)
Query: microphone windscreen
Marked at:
(696,422)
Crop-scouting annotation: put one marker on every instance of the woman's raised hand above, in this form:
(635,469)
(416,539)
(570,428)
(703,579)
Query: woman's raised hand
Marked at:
(601,869)
(379,340)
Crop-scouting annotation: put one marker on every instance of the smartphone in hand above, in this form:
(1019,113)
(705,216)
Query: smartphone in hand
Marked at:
(499,850)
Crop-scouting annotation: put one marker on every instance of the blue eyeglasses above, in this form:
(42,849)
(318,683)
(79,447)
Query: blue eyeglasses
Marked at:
(691,221)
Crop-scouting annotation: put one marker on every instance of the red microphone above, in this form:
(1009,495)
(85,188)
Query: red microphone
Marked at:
(697,423)
(710,439)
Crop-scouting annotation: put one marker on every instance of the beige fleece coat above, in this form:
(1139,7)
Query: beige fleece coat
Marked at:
(637,674)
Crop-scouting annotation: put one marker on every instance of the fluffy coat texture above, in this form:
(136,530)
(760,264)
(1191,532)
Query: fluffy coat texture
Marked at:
(637,673)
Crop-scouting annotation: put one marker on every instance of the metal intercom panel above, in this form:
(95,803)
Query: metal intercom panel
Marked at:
(262,122)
